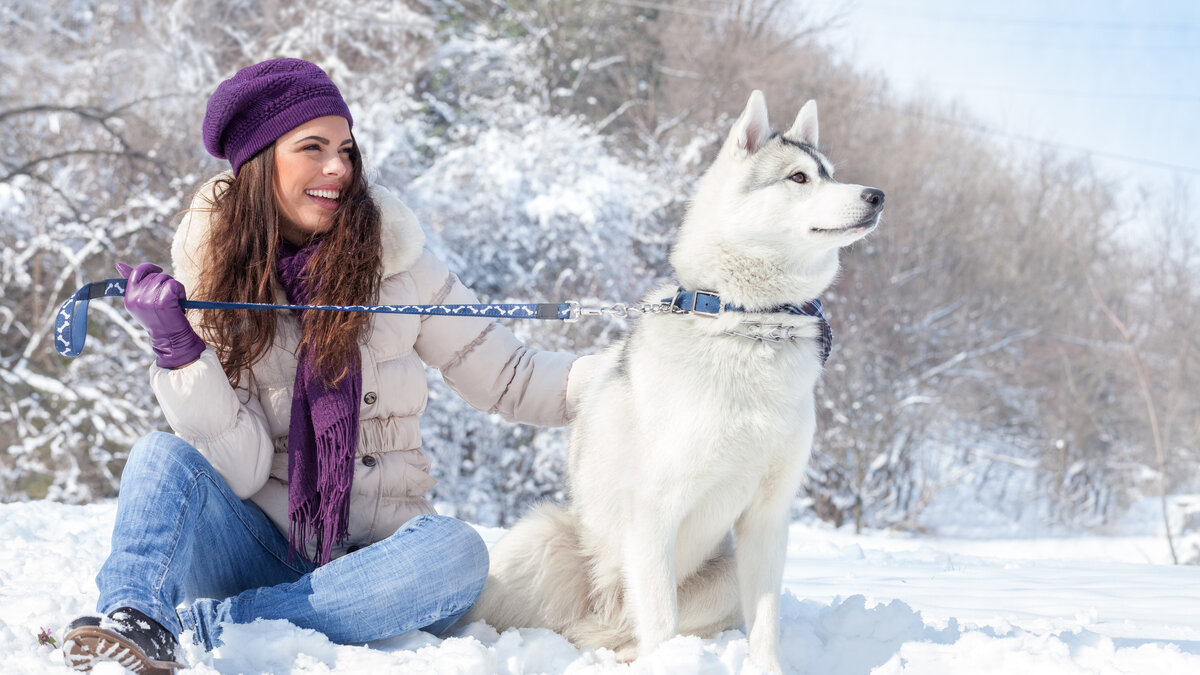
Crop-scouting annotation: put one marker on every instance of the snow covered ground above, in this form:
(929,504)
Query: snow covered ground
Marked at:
(877,603)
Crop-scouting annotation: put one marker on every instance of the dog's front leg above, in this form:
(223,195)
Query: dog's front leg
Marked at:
(650,592)
(761,549)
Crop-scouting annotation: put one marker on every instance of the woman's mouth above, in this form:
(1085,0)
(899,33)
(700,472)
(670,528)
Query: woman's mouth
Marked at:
(325,198)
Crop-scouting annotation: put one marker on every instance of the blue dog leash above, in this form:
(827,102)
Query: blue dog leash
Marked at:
(70,325)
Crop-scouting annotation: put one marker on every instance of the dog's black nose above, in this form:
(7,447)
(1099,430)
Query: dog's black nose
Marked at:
(873,197)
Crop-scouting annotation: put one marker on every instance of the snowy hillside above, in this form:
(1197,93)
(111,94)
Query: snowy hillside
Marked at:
(876,603)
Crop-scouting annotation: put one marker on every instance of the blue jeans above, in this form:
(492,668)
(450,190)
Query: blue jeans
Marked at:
(182,536)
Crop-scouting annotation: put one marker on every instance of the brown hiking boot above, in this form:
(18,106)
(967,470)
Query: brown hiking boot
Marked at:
(125,636)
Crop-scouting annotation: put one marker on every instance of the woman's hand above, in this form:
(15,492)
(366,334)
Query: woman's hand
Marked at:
(153,299)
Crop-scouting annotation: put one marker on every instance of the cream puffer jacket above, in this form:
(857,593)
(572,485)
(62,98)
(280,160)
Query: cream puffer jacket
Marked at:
(243,431)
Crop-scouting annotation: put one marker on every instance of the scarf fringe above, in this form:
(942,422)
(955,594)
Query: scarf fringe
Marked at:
(324,517)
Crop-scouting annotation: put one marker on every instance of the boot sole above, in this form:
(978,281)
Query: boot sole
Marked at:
(88,645)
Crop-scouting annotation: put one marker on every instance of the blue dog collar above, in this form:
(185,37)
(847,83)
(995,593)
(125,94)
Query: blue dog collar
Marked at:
(707,303)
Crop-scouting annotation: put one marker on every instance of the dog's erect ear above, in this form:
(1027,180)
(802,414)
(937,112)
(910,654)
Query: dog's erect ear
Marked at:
(752,129)
(804,129)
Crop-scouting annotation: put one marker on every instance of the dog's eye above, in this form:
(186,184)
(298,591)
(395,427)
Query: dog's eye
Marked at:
(799,177)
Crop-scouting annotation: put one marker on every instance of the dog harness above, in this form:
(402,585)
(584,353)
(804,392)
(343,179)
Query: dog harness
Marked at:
(706,303)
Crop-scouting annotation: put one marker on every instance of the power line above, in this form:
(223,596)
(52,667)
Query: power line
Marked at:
(1057,23)
(1189,45)
(981,128)
(1078,94)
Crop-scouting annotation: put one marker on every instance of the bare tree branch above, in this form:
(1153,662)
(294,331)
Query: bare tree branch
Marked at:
(1143,381)
(27,168)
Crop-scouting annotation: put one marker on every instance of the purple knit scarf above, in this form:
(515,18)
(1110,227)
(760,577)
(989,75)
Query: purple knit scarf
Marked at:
(322,435)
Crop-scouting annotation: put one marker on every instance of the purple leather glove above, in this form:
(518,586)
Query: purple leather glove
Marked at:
(153,299)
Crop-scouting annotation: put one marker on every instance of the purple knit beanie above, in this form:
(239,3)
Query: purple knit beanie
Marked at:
(264,101)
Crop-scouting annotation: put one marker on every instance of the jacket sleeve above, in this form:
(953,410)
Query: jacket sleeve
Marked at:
(226,425)
(483,362)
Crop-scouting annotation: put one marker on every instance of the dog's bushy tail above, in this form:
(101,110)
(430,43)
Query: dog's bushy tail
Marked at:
(538,577)
(541,577)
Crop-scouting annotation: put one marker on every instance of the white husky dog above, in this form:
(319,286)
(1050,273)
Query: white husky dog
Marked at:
(693,435)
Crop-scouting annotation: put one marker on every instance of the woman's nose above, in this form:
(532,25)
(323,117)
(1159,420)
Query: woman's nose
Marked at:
(337,165)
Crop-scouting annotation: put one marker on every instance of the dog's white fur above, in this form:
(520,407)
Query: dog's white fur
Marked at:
(690,443)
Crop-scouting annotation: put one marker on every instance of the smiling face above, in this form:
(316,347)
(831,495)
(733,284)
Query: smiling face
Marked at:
(313,165)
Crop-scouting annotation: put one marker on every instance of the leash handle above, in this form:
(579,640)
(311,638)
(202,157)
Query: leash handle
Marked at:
(70,325)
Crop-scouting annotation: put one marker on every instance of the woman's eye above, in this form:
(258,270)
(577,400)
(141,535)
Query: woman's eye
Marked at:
(311,146)
(799,177)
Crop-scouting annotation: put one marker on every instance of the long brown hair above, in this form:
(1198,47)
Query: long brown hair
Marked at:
(242,247)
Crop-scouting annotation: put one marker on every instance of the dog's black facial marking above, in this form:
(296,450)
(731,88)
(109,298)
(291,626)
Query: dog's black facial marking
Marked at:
(810,151)
(777,162)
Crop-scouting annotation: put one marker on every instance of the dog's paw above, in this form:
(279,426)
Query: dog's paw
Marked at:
(626,654)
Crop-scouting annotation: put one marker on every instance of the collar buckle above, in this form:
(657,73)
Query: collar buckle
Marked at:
(703,303)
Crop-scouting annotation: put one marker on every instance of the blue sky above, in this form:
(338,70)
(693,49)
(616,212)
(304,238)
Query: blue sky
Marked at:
(1115,79)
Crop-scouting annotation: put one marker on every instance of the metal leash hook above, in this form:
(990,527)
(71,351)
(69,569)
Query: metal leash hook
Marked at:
(575,311)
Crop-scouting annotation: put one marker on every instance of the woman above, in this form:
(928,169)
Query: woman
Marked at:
(294,486)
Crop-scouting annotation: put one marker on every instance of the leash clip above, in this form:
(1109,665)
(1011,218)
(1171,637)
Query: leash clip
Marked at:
(575,311)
